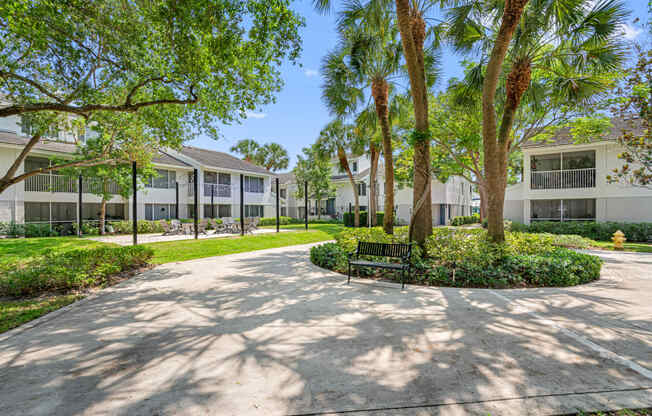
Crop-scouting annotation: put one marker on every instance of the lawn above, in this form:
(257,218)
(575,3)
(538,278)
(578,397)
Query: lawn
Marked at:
(172,251)
(14,250)
(637,247)
(15,313)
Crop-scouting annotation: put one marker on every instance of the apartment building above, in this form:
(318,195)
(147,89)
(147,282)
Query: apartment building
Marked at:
(449,199)
(53,198)
(563,181)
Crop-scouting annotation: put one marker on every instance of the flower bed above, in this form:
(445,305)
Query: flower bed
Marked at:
(466,258)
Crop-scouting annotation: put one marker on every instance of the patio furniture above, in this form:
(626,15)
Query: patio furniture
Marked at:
(230,225)
(187,228)
(203,224)
(176,227)
(251,224)
(218,226)
(401,251)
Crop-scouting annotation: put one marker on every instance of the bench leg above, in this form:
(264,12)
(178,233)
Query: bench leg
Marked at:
(402,279)
(349,279)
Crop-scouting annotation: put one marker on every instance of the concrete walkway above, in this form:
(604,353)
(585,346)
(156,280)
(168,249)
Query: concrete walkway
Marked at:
(127,239)
(267,333)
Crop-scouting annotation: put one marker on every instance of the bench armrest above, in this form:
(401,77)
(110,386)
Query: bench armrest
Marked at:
(352,254)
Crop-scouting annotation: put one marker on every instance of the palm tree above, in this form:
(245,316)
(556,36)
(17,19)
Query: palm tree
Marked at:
(274,157)
(248,149)
(338,140)
(576,46)
(366,123)
(410,19)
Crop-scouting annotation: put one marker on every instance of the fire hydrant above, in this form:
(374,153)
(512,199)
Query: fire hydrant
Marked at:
(618,239)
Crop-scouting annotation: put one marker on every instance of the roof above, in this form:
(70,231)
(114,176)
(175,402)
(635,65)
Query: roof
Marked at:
(356,176)
(221,160)
(166,159)
(285,178)
(69,148)
(564,136)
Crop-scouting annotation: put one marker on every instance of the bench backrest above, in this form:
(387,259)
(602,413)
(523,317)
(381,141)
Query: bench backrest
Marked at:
(384,249)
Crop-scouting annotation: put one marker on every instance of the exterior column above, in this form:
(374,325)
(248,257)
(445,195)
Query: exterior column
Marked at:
(196,185)
(242,204)
(278,204)
(79,210)
(134,185)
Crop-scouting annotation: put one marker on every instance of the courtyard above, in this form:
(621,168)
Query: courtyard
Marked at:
(267,332)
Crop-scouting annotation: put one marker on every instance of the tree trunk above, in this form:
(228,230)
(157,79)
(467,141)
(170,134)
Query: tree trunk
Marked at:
(102,216)
(483,202)
(380,92)
(413,33)
(319,209)
(373,173)
(344,162)
(495,147)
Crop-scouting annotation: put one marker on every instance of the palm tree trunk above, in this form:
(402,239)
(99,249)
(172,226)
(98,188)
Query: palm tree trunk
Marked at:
(373,173)
(495,148)
(344,162)
(380,92)
(412,28)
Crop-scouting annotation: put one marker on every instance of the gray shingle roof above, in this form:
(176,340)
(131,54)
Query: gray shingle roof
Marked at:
(221,160)
(69,148)
(285,178)
(564,136)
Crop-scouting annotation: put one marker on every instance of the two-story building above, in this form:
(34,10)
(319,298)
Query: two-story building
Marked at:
(53,198)
(449,199)
(563,181)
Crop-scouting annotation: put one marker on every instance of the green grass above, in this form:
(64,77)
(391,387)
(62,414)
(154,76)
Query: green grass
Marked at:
(173,251)
(15,313)
(637,247)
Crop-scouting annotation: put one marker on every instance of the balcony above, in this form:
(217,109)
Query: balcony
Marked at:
(563,179)
(44,182)
(217,190)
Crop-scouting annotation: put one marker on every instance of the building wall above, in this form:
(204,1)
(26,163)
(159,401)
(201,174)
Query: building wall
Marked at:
(614,202)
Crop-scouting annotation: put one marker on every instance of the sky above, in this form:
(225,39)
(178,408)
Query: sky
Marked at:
(297,116)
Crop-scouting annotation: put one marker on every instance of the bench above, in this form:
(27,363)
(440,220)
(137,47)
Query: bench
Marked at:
(401,251)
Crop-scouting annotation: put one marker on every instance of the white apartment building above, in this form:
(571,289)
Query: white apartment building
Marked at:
(53,198)
(563,181)
(449,199)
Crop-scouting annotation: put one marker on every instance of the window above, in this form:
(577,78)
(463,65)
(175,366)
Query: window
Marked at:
(217,211)
(28,129)
(362,189)
(210,177)
(91,211)
(64,211)
(563,161)
(34,163)
(154,212)
(163,180)
(224,178)
(254,185)
(354,166)
(282,193)
(37,211)
(562,210)
(253,210)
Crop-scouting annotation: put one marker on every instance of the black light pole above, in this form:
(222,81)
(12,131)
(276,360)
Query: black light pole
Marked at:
(176,201)
(79,218)
(212,201)
(278,218)
(196,178)
(305,194)
(134,215)
(242,230)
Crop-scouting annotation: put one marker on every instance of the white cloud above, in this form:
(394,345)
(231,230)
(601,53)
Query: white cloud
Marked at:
(310,72)
(630,32)
(253,114)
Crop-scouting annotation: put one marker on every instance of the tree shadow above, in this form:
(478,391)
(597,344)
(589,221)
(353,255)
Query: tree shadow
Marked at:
(269,332)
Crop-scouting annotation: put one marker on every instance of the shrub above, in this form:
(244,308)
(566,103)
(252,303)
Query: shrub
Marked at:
(282,221)
(12,229)
(39,230)
(600,231)
(467,219)
(349,219)
(329,256)
(72,270)
(467,258)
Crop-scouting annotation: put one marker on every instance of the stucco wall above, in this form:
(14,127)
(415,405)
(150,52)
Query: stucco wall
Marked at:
(513,210)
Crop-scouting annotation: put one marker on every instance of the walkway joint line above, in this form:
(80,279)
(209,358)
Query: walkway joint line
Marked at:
(603,352)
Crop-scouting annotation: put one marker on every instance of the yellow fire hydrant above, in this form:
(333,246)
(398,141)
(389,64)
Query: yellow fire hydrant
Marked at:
(618,239)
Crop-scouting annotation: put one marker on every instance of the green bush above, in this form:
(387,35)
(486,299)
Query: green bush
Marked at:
(329,256)
(71,270)
(600,231)
(39,230)
(349,219)
(466,219)
(467,258)
(282,221)
(12,229)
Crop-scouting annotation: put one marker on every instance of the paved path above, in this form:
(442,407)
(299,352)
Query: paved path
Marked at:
(267,333)
(127,239)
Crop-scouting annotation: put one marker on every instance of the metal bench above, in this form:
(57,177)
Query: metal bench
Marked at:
(401,251)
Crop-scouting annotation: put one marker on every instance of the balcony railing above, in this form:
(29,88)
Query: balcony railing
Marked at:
(44,182)
(217,190)
(563,179)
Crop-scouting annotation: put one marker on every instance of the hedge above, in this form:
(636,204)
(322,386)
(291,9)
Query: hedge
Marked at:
(600,231)
(466,219)
(71,270)
(349,218)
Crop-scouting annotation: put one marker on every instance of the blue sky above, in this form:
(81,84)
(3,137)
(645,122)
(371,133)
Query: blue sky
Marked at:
(298,115)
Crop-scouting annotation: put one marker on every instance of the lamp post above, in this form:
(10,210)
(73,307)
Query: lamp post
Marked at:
(278,204)
(305,194)
(134,212)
